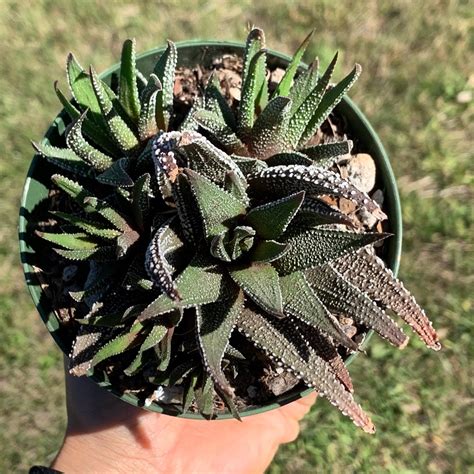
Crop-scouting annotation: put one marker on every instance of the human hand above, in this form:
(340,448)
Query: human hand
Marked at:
(105,434)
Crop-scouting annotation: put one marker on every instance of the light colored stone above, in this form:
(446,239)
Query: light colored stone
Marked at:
(361,172)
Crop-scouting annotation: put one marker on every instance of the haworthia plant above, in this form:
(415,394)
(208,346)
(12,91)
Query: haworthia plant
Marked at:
(215,222)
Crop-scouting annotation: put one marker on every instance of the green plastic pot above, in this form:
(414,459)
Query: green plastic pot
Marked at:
(190,53)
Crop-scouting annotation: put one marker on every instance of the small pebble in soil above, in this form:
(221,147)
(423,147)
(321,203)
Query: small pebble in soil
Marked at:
(361,172)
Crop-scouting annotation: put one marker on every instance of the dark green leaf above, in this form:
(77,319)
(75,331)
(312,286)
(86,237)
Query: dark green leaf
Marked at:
(91,227)
(77,143)
(101,254)
(326,154)
(301,301)
(260,281)
(315,371)
(286,81)
(328,102)
(70,241)
(267,251)
(269,132)
(147,126)
(253,82)
(117,174)
(165,70)
(215,323)
(289,158)
(315,181)
(340,296)
(118,345)
(202,282)
(64,158)
(368,272)
(272,219)
(312,247)
(128,88)
(299,121)
(165,242)
(216,206)
(118,128)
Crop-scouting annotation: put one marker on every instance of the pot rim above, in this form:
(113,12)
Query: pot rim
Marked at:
(392,259)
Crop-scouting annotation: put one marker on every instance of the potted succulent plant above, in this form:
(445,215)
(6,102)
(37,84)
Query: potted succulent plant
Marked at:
(195,236)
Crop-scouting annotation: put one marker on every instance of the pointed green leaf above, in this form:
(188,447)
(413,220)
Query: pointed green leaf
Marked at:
(253,80)
(303,85)
(94,131)
(286,81)
(101,254)
(219,130)
(299,120)
(92,204)
(64,158)
(326,154)
(287,348)
(128,88)
(118,345)
(202,282)
(315,212)
(329,101)
(236,185)
(82,91)
(301,301)
(72,111)
(141,199)
(339,295)
(118,128)
(269,133)
(260,281)
(90,227)
(77,241)
(188,211)
(117,174)
(267,251)
(215,102)
(163,350)
(322,345)
(206,159)
(315,181)
(271,220)
(368,272)
(215,323)
(204,395)
(156,334)
(313,247)
(249,165)
(165,70)
(147,126)
(289,158)
(77,143)
(216,206)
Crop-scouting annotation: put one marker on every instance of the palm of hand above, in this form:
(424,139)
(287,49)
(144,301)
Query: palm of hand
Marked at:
(114,436)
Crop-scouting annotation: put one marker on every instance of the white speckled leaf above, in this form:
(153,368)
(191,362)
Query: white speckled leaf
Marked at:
(314,370)
(261,283)
(369,273)
(301,301)
(340,296)
(215,323)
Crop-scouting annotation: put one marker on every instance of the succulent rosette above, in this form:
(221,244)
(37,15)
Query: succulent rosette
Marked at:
(196,229)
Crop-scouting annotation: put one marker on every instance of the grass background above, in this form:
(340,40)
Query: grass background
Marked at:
(417,91)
